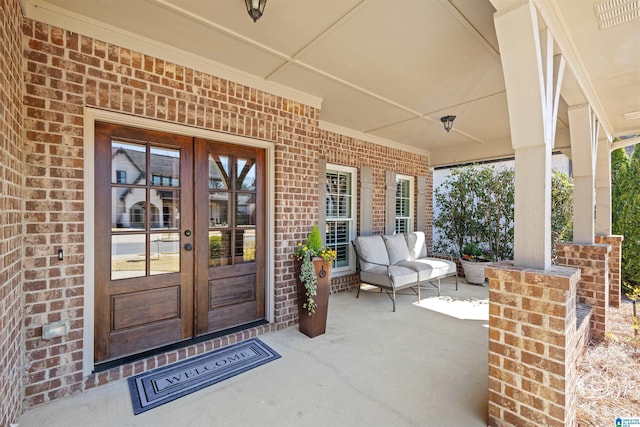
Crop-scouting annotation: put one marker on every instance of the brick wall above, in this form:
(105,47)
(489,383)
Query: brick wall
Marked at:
(348,151)
(593,288)
(64,72)
(615,267)
(534,343)
(11,230)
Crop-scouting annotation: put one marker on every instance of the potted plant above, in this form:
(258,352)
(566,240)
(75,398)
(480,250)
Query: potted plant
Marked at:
(313,276)
(474,259)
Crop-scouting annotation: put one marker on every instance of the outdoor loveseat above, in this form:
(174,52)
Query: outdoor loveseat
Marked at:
(399,261)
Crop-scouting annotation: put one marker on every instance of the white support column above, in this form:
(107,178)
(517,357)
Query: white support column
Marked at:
(533,89)
(603,188)
(583,127)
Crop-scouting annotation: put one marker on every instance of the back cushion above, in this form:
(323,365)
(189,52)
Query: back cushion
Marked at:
(397,248)
(417,244)
(371,249)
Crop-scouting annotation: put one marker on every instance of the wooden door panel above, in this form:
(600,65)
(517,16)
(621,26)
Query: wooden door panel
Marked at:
(138,308)
(229,194)
(146,337)
(232,315)
(232,290)
(144,208)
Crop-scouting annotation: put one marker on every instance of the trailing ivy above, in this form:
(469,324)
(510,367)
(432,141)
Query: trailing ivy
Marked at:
(476,206)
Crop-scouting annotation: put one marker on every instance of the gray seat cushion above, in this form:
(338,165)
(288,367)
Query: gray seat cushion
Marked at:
(440,267)
(424,270)
(417,244)
(372,251)
(397,248)
(402,276)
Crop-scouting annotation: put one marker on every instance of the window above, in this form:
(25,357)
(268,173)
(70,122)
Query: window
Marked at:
(340,214)
(121,177)
(404,204)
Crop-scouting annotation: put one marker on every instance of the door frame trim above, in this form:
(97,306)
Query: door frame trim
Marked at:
(91,116)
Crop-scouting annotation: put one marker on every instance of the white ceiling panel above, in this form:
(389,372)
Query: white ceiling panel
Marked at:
(612,58)
(303,20)
(342,105)
(423,134)
(416,53)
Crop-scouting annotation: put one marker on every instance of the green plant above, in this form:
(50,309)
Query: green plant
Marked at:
(474,252)
(305,254)
(476,205)
(314,240)
(561,211)
(625,199)
(633,293)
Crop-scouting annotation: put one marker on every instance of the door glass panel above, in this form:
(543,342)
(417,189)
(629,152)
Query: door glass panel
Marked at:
(165,167)
(128,256)
(232,209)
(245,209)
(218,209)
(164,253)
(128,208)
(246,174)
(219,248)
(219,172)
(246,245)
(144,205)
(165,209)
(129,163)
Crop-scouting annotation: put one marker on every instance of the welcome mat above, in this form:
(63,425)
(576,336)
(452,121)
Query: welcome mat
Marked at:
(159,386)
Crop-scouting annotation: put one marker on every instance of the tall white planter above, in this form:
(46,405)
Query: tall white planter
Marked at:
(474,271)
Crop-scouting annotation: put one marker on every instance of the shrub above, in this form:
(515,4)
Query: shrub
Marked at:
(625,199)
(477,206)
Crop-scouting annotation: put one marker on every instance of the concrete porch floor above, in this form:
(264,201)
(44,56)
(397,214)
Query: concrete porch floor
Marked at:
(373,367)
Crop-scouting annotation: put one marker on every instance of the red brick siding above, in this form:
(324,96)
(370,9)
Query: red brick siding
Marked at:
(533,345)
(348,151)
(11,230)
(64,72)
(593,289)
(615,267)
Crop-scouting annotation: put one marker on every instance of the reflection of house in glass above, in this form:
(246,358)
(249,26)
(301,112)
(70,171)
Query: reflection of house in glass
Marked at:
(232,209)
(129,176)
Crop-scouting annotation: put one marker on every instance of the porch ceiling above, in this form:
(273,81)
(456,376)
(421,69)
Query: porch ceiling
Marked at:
(387,69)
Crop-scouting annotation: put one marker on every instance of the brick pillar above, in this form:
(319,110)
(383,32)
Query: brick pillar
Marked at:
(533,345)
(615,267)
(593,289)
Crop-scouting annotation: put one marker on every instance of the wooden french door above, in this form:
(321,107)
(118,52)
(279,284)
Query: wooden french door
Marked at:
(177,254)
(229,194)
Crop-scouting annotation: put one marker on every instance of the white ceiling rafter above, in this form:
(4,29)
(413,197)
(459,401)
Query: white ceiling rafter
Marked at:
(554,20)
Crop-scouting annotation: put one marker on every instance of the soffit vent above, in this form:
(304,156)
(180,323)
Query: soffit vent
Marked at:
(615,12)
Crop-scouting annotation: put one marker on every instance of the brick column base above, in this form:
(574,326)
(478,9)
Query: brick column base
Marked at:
(533,345)
(593,289)
(615,267)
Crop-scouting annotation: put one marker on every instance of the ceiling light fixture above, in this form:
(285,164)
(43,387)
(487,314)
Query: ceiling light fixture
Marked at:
(447,121)
(255,8)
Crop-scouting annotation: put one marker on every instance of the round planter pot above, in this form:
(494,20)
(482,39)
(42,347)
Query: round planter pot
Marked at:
(474,271)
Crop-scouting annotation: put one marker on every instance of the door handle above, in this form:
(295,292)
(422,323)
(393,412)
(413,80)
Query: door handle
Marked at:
(188,247)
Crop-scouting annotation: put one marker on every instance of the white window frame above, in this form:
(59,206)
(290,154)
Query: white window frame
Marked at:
(409,218)
(351,266)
